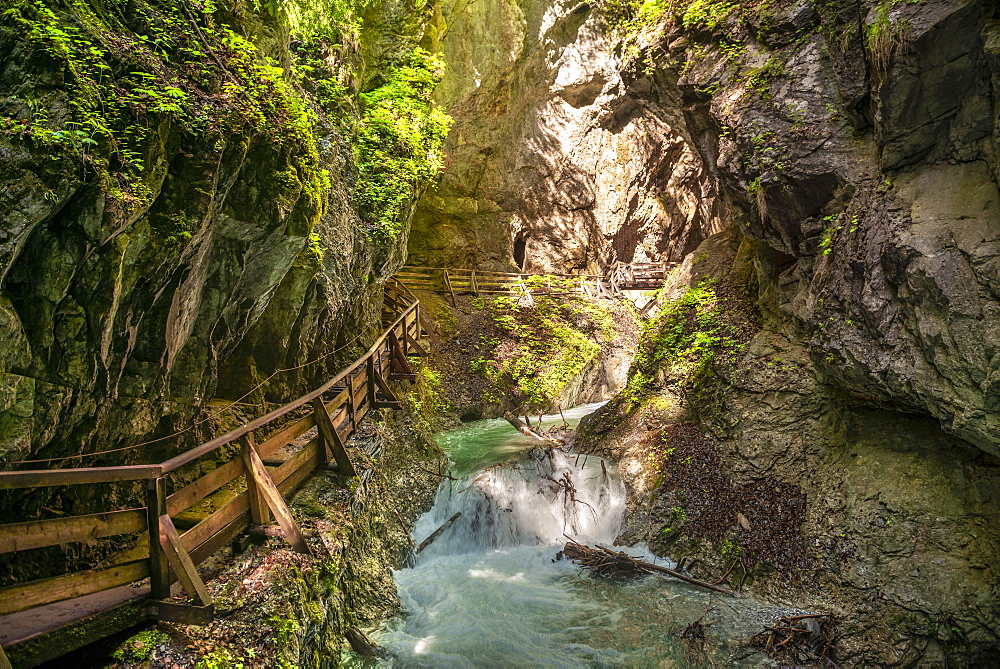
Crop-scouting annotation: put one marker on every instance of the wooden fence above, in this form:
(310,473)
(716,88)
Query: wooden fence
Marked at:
(260,481)
(635,276)
(477,282)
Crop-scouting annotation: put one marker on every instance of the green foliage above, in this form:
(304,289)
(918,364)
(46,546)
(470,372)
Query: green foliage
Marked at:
(681,342)
(207,79)
(138,647)
(179,65)
(885,35)
(426,403)
(629,18)
(730,549)
(759,79)
(398,146)
(541,346)
(829,233)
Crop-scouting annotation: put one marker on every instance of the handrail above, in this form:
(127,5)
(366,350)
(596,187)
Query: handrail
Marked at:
(335,418)
(184,458)
(50,477)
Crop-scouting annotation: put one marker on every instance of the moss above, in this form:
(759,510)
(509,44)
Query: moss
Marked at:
(426,403)
(139,647)
(534,350)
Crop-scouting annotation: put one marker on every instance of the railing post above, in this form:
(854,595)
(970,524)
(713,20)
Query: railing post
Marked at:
(156,506)
(259,512)
(370,372)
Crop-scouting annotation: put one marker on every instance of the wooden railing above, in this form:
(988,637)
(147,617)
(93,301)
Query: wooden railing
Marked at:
(337,407)
(634,276)
(478,282)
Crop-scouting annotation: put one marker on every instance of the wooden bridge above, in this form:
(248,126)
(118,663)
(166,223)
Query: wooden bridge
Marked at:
(256,478)
(623,277)
(249,485)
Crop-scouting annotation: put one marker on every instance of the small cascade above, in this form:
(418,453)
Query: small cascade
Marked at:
(540,497)
(489,591)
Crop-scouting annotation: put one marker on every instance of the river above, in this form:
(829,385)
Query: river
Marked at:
(489,591)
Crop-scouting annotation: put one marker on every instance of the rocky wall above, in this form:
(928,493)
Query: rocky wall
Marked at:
(556,163)
(179,218)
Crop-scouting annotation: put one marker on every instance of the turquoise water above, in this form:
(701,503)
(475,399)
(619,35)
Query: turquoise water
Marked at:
(488,592)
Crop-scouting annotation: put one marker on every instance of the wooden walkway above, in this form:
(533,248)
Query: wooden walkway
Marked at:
(175,527)
(635,276)
(257,477)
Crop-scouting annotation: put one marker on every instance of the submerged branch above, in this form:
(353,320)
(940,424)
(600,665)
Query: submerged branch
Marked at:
(607,562)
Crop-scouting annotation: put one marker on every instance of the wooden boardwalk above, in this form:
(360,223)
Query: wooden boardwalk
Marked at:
(450,281)
(171,533)
(258,476)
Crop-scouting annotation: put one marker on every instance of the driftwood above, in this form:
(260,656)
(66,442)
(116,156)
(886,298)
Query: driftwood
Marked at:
(362,644)
(609,563)
(528,431)
(798,639)
(434,535)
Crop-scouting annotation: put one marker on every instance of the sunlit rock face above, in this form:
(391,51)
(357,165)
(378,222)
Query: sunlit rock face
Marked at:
(555,162)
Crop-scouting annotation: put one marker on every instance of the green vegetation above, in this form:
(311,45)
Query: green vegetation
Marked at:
(139,647)
(398,147)
(536,349)
(130,75)
(885,35)
(829,232)
(682,341)
(426,401)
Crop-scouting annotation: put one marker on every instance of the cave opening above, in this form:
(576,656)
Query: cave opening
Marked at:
(520,245)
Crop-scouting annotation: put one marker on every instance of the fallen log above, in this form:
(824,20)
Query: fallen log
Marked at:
(362,644)
(434,535)
(609,563)
(529,432)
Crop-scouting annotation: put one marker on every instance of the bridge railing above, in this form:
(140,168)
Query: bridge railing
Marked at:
(261,482)
(479,282)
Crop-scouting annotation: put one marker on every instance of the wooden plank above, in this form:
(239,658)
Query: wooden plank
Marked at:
(156,507)
(259,513)
(289,484)
(277,503)
(221,537)
(284,436)
(4,662)
(370,374)
(40,634)
(310,453)
(399,362)
(181,562)
(383,387)
(359,380)
(40,478)
(204,530)
(332,439)
(413,343)
(203,487)
(39,533)
(184,614)
(38,593)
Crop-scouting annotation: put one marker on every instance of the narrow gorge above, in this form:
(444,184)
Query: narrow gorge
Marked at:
(212,209)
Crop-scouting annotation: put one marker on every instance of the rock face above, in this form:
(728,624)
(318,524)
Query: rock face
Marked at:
(223,245)
(851,146)
(556,163)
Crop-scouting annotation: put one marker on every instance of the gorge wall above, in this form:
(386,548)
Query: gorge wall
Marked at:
(848,150)
(189,205)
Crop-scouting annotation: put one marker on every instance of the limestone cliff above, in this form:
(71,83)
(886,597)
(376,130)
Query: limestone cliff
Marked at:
(556,162)
(848,149)
(189,205)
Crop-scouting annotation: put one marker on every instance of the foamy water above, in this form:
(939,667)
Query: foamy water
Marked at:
(488,592)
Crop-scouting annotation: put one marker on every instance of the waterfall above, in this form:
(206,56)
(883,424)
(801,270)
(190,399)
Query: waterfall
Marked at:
(537,498)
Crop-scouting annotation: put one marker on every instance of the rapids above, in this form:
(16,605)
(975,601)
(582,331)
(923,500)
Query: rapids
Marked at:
(488,592)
